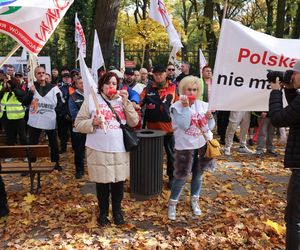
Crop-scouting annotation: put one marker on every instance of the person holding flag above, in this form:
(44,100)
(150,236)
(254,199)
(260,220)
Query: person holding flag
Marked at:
(107,159)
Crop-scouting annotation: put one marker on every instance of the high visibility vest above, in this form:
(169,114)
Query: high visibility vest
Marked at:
(13,108)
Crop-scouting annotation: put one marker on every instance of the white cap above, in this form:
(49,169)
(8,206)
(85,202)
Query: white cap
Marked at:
(117,72)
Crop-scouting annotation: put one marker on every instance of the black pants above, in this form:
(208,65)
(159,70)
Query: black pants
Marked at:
(292,212)
(34,135)
(3,198)
(222,123)
(64,128)
(169,144)
(78,143)
(117,193)
(14,128)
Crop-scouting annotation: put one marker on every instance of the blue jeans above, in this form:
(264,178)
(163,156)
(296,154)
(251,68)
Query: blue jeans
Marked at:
(292,212)
(196,182)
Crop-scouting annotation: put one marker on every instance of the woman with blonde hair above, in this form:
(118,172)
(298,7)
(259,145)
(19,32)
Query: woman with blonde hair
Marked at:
(107,159)
(190,118)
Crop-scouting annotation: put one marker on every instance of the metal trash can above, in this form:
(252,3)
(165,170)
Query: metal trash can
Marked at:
(146,165)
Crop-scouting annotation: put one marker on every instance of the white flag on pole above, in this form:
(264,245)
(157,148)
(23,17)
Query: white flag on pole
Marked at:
(174,61)
(159,13)
(31,23)
(80,37)
(122,57)
(202,61)
(32,64)
(98,60)
(87,78)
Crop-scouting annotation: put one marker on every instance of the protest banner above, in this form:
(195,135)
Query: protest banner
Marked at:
(243,59)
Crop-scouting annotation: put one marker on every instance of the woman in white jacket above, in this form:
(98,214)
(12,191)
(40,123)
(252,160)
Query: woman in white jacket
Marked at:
(107,159)
(190,117)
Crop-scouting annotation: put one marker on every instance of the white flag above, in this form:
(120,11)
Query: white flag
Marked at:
(159,13)
(202,61)
(122,57)
(32,64)
(174,61)
(80,37)
(87,78)
(24,55)
(98,60)
(31,23)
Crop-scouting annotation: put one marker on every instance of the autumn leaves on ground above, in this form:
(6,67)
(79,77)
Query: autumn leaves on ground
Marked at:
(242,205)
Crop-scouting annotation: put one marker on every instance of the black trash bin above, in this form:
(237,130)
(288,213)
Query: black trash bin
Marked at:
(146,165)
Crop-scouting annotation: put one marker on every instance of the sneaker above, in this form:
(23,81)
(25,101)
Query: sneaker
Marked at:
(259,153)
(250,142)
(103,220)
(58,168)
(119,219)
(227,151)
(272,153)
(8,159)
(79,175)
(244,150)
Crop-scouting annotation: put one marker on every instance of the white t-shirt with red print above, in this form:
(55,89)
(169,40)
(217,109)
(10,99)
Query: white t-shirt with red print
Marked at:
(112,141)
(192,137)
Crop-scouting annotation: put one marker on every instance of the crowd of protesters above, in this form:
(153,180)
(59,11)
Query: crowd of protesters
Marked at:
(156,99)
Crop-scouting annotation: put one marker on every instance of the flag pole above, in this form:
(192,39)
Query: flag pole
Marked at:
(225,9)
(13,51)
(75,56)
(143,57)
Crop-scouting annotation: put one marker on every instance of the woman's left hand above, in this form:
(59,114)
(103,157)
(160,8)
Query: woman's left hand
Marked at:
(208,115)
(124,95)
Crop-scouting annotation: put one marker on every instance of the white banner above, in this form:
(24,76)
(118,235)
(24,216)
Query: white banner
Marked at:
(30,26)
(202,61)
(174,61)
(243,58)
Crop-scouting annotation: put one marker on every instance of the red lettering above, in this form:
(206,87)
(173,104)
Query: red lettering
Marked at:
(264,57)
(293,63)
(243,54)
(283,61)
(253,60)
(46,29)
(61,4)
(272,60)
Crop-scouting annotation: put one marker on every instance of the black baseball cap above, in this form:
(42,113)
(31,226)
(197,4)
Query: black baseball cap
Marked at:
(158,69)
(129,71)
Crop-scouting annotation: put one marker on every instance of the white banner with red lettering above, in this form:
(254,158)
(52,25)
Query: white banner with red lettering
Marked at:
(243,59)
(31,23)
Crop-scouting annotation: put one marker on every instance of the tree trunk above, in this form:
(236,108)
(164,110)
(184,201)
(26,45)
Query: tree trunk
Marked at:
(270,9)
(210,35)
(105,21)
(280,18)
(296,26)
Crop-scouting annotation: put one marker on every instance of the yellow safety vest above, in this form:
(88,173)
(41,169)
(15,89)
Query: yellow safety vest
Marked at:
(14,109)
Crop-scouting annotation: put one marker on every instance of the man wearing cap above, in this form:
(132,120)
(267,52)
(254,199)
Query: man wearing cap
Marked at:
(290,117)
(157,98)
(130,82)
(44,100)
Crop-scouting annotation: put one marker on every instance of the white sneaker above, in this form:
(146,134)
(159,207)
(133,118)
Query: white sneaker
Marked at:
(244,150)
(8,160)
(195,205)
(227,151)
(172,209)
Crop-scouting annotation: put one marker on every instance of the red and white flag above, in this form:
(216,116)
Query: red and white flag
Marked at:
(80,37)
(31,23)
(159,13)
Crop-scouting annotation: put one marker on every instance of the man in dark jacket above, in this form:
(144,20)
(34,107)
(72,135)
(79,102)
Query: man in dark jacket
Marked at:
(290,117)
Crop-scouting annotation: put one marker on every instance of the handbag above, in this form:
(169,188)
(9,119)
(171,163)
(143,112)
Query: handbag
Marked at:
(212,146)
(131,141)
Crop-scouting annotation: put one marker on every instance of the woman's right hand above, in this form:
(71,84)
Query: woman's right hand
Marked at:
(98,121)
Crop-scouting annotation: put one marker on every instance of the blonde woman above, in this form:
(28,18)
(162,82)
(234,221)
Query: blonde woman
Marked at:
(188,115)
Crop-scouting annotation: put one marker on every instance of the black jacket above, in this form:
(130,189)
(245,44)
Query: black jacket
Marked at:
(287,117)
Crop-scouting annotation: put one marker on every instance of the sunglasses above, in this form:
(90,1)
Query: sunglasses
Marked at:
(189,89)
(171,69)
